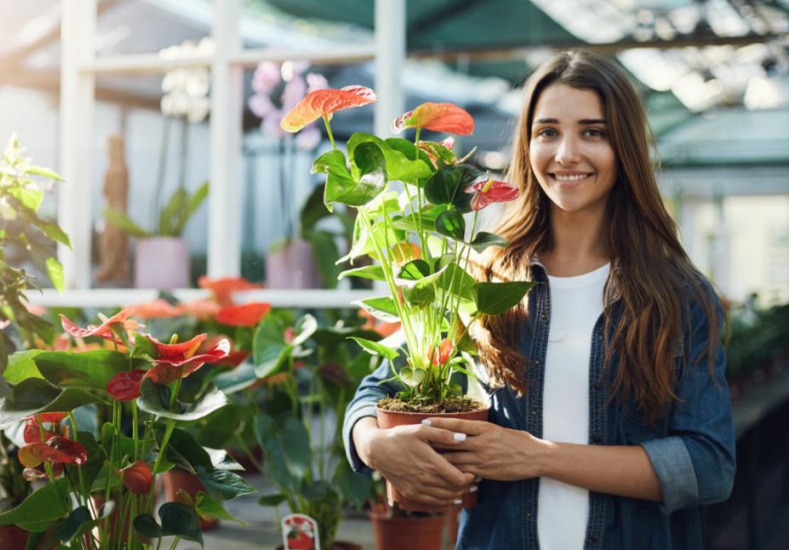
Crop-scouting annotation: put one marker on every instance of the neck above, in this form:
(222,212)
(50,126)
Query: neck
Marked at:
(579,243)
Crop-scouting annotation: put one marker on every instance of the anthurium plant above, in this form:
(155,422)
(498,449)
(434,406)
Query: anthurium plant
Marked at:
(99,490)
(417,204)
(174,216)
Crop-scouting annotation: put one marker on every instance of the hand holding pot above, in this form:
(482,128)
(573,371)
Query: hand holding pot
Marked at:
(405,456)
(491,451)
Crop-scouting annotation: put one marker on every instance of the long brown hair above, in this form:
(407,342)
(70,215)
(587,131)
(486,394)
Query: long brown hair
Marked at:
(652,269)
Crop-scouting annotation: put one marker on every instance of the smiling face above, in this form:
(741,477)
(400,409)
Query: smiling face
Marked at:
(569,150)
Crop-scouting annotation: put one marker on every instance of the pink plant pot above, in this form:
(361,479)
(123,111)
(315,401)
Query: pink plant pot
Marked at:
(161,263)
(292,266)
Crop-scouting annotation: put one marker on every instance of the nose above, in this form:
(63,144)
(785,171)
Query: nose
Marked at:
(568,151)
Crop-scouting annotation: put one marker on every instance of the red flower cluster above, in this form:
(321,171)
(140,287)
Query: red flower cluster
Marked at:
(48,445)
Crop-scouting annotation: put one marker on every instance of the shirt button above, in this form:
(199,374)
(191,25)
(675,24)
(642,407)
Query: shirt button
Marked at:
(596,439)
(528,514)
(543,317)
(594,537)
(534,412)
(598,386)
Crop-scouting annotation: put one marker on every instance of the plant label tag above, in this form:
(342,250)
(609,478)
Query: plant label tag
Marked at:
(300,532)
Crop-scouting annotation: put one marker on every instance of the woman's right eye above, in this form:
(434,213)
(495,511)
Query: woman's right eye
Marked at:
(547,132)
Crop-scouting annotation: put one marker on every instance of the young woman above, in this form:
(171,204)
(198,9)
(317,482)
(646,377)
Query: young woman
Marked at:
(610,421)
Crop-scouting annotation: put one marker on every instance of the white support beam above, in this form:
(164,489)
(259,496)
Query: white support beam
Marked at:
(224,200)
(389,61)
(77,89)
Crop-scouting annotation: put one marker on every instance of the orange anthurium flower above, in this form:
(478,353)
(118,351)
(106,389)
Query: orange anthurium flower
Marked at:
(125,386)
(154,309)
(438,117)
(224,287)
(138,477)
(246,315)
(441,355)
(320,103)
(489,191)
(118,321)
(203,309)
(178,350)
(168,369)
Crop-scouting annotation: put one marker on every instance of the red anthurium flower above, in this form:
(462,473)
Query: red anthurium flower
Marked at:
(441,355)
(32,433)
(154,309)
(246,315)
(138,477)
(118,321)
(489,191)
(57,450)
(125,386)
(438,117)
(319,103)
(223,288)
(168,369)
(179,350)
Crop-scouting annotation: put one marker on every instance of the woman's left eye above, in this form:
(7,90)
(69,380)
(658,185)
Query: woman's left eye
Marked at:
(594,132)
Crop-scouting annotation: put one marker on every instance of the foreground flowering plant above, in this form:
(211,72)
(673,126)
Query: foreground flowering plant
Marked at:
(100,483)
(418,237)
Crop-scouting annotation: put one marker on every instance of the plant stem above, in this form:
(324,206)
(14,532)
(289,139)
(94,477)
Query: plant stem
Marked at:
(328,131)
(157,197)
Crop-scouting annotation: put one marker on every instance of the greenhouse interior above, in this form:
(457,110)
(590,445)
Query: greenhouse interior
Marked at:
(193,286)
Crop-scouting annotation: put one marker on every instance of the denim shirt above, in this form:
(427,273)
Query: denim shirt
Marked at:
(691,447)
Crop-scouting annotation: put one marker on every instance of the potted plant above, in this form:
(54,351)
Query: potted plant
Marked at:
(162,255)
(421,246)
(24,236)
(311,372)
(99,490)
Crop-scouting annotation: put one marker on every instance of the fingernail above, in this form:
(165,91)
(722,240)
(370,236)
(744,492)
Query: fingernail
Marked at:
(457,501)
(427,422)
(473,489)
(459,437)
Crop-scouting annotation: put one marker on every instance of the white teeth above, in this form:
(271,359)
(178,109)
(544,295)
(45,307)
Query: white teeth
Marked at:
(573,177)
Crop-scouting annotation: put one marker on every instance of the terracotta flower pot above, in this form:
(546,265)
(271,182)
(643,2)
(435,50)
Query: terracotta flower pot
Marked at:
(411,533)
(390,419)
(177,479)
(12,536)
(336,545)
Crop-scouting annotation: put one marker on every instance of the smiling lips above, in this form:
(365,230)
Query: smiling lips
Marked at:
(570,177)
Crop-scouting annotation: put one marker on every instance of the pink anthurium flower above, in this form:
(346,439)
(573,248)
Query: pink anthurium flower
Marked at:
(441,355)
(119,321)
(154,309)
(438,117)
(125,386)
(170,368)
(489,191)
(138,477)
(324,103)
(246,315)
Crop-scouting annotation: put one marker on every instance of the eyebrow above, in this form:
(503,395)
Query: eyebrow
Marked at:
(584,121)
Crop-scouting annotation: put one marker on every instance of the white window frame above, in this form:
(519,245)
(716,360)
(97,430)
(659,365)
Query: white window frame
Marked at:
(79,67)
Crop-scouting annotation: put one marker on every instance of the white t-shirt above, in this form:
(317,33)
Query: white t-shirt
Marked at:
(576,304)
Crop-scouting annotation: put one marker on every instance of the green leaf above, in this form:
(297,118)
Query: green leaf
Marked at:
(354,488)
(343,188)
(224,484)
(451,224)
(272,500)
(456,281)
(29,197)
(124,223)
(92,369)
(42,509)
(154,399)
(184,450)
(415,270)
(270,352)
(55,273)
(448,186)
(419,293)
(374,272)
(496,298)
(208,507)
(374,348)
(405,166)
(36,395)
(21,366)
(170,216)
(236,379)
(177,520)
(325,253)
(286,446)
(74,522)
(54,232)
(483,240)
(43,172)
(305,327)
(412,377)
(192,204)
(382,308)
